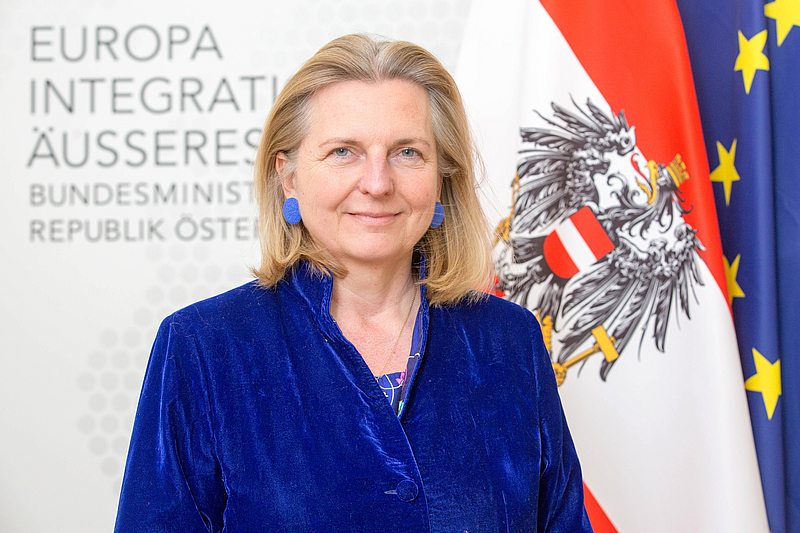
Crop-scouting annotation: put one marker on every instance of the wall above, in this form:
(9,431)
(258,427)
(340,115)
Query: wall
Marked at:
(128,132)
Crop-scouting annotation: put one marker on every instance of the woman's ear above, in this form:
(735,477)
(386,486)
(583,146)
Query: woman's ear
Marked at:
(287,182)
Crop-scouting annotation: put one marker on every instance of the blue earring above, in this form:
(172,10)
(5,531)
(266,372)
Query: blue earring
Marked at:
(438,215)
(291,211)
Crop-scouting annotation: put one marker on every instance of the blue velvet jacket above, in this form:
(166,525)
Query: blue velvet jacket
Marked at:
(257,415)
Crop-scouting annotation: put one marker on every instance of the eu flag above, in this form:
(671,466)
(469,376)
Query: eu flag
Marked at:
(745,57)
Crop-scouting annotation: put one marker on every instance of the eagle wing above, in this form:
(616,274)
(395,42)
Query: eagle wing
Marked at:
(559,163)
(630,288)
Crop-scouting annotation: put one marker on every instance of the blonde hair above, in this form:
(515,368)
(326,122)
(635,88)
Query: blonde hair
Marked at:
(457,253)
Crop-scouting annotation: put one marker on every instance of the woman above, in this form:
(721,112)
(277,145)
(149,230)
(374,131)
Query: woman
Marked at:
(309,400)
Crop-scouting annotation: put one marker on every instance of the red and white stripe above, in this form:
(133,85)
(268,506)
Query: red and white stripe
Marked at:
(576,244)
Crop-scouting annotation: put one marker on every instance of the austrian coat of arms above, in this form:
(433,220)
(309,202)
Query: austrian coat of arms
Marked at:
(596,243)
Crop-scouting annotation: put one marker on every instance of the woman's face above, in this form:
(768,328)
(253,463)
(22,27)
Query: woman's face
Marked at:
(366,177)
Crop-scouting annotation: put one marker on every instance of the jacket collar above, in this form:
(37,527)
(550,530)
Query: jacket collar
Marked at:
(316,289)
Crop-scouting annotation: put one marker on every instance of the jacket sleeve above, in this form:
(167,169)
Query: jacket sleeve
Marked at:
(561,508)
(172,480)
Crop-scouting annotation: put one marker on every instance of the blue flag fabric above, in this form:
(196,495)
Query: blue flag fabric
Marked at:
(745,58)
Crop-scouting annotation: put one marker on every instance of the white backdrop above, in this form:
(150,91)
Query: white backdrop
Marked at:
(127,131)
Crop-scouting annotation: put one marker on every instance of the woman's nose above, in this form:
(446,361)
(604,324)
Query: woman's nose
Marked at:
(376,179)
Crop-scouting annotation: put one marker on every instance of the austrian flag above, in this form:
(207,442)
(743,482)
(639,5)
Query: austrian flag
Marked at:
(607,232)
(576,244)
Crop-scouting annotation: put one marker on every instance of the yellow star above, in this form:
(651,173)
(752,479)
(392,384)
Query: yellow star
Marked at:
(786,14)
(731,271)
(751,57)
(726,172)
(766,380)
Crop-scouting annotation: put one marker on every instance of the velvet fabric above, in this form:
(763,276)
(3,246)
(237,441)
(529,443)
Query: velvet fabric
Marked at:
(257,415)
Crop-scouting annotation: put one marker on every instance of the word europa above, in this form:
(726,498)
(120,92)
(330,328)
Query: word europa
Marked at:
(140,43)
(186,229)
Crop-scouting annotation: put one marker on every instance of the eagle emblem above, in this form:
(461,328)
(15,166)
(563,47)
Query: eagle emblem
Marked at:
(596,243)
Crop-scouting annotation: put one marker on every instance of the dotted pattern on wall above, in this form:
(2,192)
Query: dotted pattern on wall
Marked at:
(114,371)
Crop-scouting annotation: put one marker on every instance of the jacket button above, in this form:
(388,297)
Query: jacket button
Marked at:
(407,490)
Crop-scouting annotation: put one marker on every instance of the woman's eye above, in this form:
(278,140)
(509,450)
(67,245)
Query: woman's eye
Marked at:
(408,152)
(341,152)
